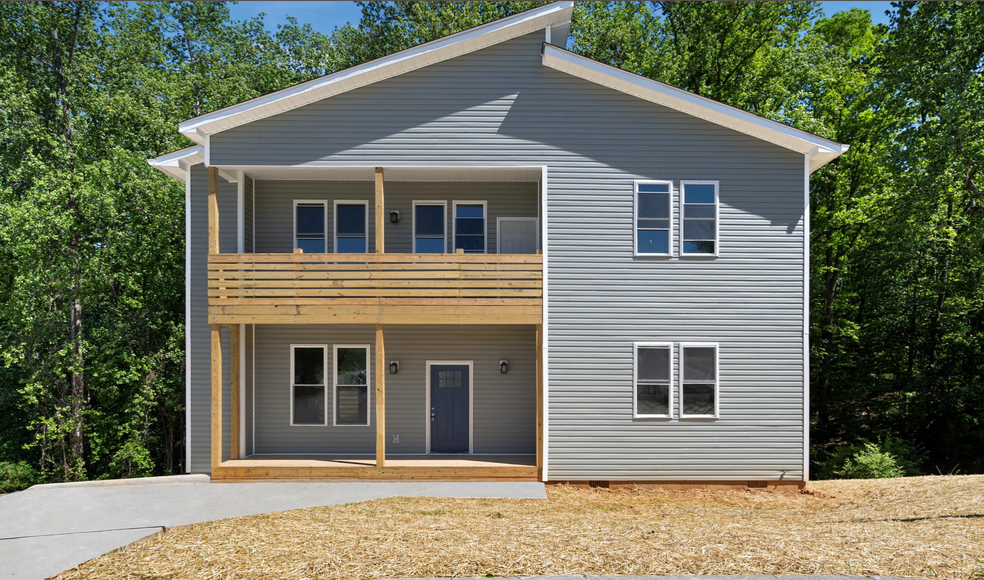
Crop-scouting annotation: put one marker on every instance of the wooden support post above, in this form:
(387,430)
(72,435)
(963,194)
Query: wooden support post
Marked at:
(235,352)
(216,396)
(380,212)
(380,398)
(539,402)
(213,210)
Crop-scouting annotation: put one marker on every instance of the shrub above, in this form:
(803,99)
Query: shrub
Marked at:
(889,457)
(16,476)
(869,462)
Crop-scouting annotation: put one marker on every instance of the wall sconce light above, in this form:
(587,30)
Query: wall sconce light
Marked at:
(394,367)
(394,217)
(503,366)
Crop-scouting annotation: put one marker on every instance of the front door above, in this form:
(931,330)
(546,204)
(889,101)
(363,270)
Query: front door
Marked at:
(449,408)
(517,235)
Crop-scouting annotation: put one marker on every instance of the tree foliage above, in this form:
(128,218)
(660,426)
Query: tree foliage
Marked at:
(91,247)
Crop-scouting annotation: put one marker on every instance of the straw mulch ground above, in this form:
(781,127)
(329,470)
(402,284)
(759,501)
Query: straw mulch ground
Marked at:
(928,526)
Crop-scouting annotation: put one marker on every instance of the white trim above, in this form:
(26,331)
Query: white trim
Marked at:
(240,248)
(334,221)
(545,247)
(635,380)
(187,324)
(485,223)
(253,385)
(717,379)
(635,218)
(695,105)
(324,354)
(471,401)
(717,217)
(322,202)
(376,70)
(444,221)
(546,35)
(208,152)
(806,317)
(498,231)
(176,163)
(334,385)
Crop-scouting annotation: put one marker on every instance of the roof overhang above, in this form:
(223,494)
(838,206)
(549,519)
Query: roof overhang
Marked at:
(820,150)
(177,163)
(554,16)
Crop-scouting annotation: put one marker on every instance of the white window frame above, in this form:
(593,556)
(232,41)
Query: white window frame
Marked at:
(635,217)
(717,217)
(324,205)
(334,385)
(324,362)
(413,218)
(485,223)
(717,379)
(635,380)
(334,221)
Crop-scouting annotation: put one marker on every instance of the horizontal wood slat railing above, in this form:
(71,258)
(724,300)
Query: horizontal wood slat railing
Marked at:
(375,288)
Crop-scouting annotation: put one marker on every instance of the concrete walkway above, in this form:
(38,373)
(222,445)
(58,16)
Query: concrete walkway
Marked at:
(50,528)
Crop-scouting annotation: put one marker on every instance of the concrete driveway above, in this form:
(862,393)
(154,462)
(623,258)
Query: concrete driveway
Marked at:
(47,529)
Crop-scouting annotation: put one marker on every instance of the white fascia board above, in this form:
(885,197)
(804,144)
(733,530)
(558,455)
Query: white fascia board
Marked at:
(382,68)
(176,163)
(691,104)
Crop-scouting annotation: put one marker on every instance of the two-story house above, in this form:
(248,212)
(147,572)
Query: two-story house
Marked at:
(486,257)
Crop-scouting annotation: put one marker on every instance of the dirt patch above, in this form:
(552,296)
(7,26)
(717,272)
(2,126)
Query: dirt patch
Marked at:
(928,527)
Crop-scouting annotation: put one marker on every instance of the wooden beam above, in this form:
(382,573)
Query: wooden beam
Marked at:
(539,402)
(213,210)
(380,212)
(216,333)
(234,386)
(380,398)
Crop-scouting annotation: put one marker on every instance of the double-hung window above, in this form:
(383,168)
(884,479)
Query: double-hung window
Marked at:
(651,220)
(652,380)
(429,224)
(351,227)
(698,380)
(351,384)
(700,218)
(309,226)
(308,404)
(469,227)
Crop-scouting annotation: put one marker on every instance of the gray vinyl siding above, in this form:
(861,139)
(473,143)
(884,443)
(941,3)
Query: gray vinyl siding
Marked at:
(275,204)
(501,106)
(503,407)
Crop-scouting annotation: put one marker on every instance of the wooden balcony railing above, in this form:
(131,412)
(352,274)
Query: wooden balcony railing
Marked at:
(375,289)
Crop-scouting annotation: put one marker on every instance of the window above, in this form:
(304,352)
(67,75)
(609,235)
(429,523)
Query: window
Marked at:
(698,380)
(351,385)
(652,376)
(700,217)
(308,405)
(309,226)
(469,227)
(652,218)
(351,227)
(429,224)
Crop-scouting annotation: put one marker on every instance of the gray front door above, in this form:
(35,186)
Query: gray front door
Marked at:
(449,408)
(517,236)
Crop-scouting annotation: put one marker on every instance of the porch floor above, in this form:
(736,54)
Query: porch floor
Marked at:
(403,467)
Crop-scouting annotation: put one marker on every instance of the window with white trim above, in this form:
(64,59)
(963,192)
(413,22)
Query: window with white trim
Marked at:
(651,219)
(653,380)
(310,225)
(469,227)
(351,227)
(429,227)
(351,384)
(699,204)
(308,404)
(698,380)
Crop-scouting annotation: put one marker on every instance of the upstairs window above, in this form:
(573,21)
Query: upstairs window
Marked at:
(469,227)
(308,404)
(700,218)
(309,226)
(653,374)
(429,224)
(652,218)
(352,385)
(698,380)
(351,227)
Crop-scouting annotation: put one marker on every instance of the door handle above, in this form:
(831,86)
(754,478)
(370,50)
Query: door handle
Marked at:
(433,416)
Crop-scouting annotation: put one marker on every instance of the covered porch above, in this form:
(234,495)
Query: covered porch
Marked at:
(415,467)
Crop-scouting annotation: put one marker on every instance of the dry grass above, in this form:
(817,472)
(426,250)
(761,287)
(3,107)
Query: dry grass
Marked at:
(928,526)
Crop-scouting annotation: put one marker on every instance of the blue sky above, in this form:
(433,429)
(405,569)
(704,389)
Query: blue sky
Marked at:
(325,16)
